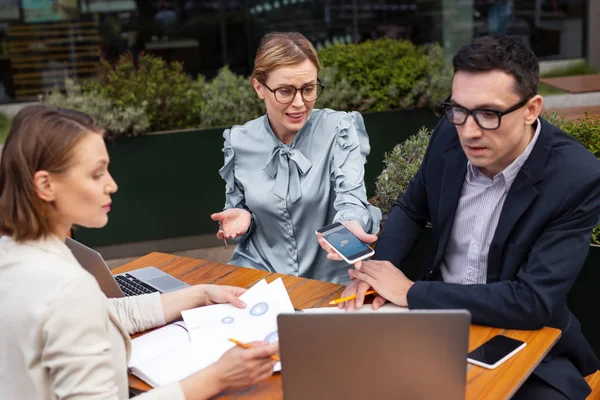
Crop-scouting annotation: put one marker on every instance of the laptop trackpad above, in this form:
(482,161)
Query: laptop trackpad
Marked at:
(166,283)
(158,279)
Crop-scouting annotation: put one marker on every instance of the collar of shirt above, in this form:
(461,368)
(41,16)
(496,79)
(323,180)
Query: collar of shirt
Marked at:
(278,141)
(508,175)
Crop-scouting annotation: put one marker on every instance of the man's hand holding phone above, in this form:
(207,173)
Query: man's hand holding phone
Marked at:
(353,230)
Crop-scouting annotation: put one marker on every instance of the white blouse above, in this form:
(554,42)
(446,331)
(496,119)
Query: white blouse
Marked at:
(60,337)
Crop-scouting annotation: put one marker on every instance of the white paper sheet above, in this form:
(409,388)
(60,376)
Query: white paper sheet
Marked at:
(211,327)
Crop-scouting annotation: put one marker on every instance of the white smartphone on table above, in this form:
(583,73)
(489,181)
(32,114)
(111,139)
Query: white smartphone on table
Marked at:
(495,351)
(345,243)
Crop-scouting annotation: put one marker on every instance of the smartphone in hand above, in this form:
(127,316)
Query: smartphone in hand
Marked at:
(495,351)
(345,243)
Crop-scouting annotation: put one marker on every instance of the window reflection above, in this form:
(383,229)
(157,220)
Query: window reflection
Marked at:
(207,34)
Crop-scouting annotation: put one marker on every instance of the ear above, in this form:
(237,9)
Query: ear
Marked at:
(258,87)
(43,186)
(534,108)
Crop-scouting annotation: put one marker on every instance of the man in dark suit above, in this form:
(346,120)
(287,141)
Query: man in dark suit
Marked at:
(512,201)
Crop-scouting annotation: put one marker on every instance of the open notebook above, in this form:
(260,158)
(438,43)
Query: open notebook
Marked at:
(171,353)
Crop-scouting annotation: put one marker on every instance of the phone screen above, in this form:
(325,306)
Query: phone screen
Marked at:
(494,349)
(344,241)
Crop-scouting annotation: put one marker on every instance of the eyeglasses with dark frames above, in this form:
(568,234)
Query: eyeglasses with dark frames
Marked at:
(485,118)
(287,94)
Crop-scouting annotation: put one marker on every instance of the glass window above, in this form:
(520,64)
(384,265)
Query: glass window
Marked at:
(205,35)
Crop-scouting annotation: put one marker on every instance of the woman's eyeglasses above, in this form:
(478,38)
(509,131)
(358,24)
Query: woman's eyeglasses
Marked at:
(287,94)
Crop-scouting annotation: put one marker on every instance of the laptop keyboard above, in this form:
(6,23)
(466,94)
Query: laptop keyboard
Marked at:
(131,286)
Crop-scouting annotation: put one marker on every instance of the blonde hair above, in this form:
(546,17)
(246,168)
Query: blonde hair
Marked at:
(282,49)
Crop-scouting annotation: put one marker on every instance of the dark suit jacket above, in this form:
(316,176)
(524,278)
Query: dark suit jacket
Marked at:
(537,251)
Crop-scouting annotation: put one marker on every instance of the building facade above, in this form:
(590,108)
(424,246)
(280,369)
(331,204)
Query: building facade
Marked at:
(44,41)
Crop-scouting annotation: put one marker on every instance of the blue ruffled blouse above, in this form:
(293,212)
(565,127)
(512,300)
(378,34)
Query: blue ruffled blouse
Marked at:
(293,189)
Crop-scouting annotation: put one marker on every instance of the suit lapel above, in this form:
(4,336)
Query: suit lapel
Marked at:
(519,198)
(452,183)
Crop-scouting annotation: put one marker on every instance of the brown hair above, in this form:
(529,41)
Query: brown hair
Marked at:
(42,138)
(282,49)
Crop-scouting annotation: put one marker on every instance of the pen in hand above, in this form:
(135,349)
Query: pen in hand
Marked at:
(247,346)
(342,299)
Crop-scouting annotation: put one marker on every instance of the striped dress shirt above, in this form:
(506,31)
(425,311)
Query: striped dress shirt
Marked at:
(479,207)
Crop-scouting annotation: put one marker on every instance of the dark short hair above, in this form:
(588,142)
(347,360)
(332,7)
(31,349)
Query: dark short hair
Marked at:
(505,53)
(42,138)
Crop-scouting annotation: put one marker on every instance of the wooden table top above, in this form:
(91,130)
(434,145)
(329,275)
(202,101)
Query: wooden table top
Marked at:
(575,84)
(500,383)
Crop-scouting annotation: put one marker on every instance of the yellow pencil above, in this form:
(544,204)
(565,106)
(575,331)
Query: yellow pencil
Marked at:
(342,299)
(247,346)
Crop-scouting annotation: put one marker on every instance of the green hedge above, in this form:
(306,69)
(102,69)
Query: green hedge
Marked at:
(390,71)
(130,98)
(587,131)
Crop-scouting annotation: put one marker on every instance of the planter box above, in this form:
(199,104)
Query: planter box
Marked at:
(169,182)
(584,301)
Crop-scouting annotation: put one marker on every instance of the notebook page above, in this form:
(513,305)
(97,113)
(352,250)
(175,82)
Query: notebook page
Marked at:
(172,366)
(157,342)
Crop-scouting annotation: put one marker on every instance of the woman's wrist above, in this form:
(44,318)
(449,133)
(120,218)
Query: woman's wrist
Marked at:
(183,299)
(202,385)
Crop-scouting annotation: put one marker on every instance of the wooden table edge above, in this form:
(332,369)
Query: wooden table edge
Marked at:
(533,367)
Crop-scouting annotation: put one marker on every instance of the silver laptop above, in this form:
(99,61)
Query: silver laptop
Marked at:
(411,355)
(140,281)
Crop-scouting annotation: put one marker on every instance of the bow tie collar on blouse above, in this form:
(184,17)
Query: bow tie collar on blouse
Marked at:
(285,165)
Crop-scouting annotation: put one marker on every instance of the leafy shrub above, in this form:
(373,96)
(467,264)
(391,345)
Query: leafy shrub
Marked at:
(435,85)
(172,100)
(400,165)
(339,93)
(116,119)
(387,69)
(230,100)
(587,131)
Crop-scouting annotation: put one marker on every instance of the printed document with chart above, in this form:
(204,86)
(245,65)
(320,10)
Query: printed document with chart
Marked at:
(171,353)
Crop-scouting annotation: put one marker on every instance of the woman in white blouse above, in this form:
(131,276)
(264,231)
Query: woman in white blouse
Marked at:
(60,337)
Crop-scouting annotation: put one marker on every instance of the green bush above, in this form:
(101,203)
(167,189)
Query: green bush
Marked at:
(394,73)
(116,119)
(5,123)
(130,98)
(230,100)
(339,93)
(172,100)
(400,165)
(587,131)
(436,84)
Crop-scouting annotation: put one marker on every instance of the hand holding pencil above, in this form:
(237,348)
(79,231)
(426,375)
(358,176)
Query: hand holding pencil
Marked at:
(351,297)
(248,346)
(244,366)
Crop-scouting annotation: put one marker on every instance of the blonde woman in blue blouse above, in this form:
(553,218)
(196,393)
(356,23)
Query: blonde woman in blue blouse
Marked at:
(293,170)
